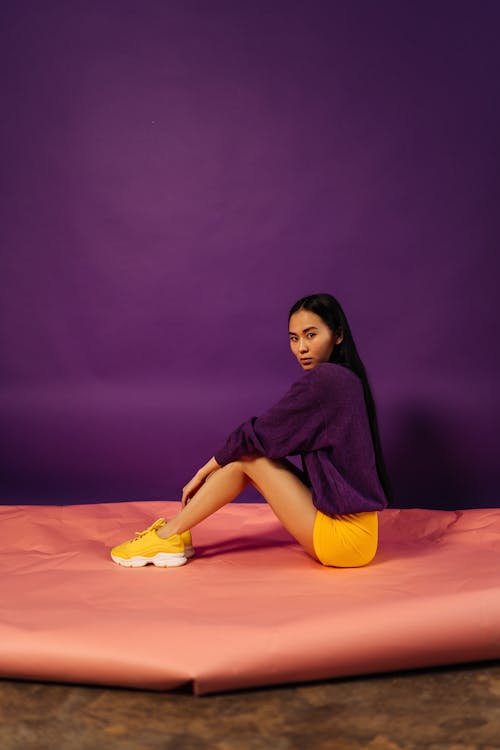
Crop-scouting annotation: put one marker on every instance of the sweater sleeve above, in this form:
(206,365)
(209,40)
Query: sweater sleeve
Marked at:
(294,425)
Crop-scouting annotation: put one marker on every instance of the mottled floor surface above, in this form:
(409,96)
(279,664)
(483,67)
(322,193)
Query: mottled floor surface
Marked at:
(453,708)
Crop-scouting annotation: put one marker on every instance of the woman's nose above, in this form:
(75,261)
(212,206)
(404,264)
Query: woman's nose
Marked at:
(302,345)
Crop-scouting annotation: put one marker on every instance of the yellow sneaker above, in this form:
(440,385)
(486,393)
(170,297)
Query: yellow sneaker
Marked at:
(148,547)
(188,543)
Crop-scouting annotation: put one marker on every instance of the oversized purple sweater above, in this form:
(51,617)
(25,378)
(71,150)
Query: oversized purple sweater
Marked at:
(323,419)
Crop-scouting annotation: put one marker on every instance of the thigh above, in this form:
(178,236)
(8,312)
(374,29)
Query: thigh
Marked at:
(295,470)
(286,493)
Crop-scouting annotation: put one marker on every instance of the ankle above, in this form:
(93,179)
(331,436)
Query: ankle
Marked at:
(166,531)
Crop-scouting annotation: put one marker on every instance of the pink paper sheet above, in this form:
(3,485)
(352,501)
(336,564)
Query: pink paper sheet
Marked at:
(250,609)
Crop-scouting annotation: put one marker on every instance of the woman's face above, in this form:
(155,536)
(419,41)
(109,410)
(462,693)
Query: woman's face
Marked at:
(311,340)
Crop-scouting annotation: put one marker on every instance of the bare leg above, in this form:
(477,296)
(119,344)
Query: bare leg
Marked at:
(290,499)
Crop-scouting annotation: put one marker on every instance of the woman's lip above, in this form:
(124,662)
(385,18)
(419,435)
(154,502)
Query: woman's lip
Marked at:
(306,359)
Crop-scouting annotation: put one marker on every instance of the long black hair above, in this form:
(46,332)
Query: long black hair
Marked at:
(330,311)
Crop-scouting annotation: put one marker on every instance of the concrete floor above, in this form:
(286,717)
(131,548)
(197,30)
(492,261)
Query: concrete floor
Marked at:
(453,708)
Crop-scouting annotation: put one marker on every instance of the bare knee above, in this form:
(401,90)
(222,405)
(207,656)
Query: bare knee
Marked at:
(247,467)
(239,467)
(251,465)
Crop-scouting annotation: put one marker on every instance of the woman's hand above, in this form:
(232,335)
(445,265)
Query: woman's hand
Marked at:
(192,488)
(198,480)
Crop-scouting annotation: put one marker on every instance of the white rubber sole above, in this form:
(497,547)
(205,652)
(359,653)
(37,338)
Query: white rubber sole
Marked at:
(161,560)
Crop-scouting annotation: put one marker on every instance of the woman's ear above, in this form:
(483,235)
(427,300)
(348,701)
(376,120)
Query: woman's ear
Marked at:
(340,336)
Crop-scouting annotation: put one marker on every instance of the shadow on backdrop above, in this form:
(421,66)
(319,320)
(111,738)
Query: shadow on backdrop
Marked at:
(431,465)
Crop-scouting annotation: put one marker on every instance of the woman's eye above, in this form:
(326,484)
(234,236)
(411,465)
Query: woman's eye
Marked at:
(311,335)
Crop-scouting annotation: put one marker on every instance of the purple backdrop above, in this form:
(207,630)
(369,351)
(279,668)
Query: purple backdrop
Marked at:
(177,173)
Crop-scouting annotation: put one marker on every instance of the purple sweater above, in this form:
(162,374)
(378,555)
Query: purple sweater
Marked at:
(323,419)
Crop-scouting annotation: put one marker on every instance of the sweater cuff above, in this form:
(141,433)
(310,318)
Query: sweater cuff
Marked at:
(221,458)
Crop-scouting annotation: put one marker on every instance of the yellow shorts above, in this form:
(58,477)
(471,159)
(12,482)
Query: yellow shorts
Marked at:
(346,541)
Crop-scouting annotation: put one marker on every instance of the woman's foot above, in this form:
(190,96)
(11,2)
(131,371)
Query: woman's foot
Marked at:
(147,547)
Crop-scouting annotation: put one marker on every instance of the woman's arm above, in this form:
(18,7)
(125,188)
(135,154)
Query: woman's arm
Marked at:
(199,478)
(295,424)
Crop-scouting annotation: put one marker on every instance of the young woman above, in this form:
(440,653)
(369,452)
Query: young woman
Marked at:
(327,417)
